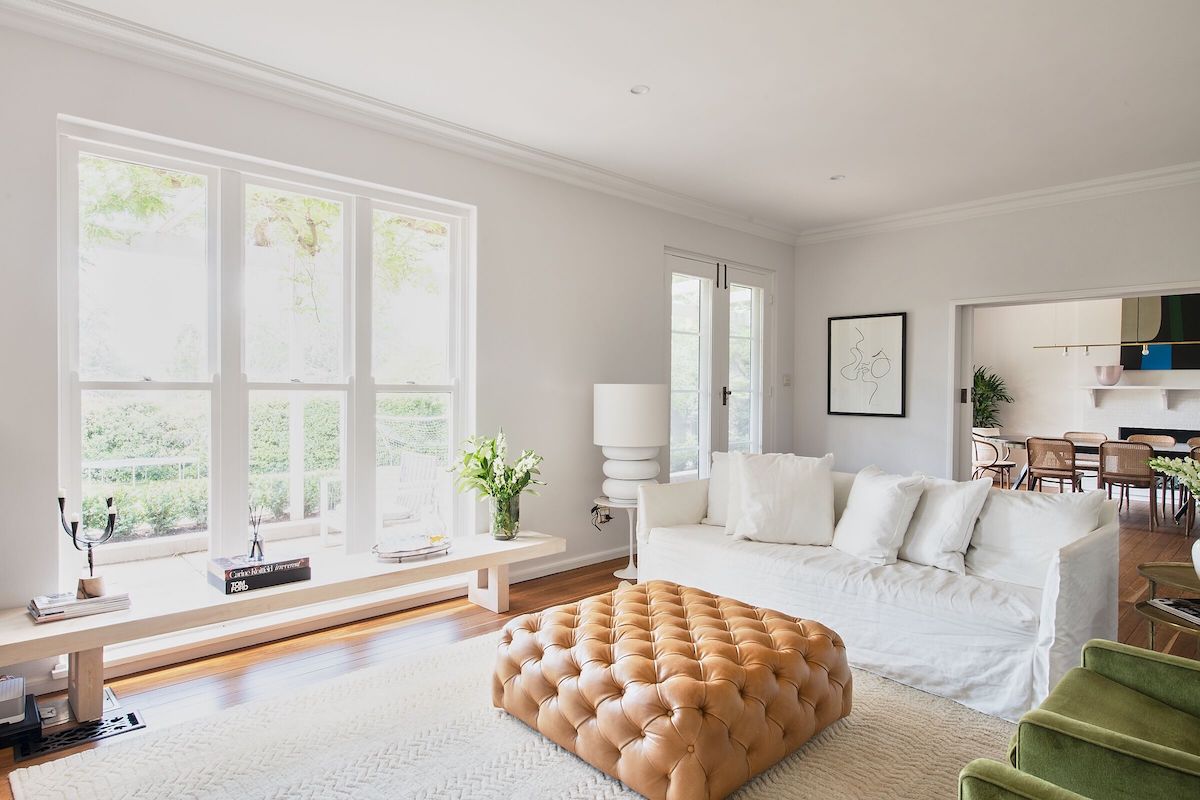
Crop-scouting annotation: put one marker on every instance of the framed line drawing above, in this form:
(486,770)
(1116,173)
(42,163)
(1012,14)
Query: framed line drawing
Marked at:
(867,365)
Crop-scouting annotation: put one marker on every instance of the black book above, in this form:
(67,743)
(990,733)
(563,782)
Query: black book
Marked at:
(261,580)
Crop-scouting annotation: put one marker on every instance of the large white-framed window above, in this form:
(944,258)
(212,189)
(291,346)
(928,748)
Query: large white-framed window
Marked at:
(720,325)
(239,333)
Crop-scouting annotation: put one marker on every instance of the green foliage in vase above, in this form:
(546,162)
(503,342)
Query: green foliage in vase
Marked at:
(988,393)
(482,466)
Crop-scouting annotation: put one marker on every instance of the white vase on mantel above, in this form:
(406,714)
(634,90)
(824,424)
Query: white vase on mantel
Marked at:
(1196,556)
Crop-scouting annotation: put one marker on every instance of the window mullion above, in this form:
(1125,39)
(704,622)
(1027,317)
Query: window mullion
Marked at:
(230,426)
(360,465)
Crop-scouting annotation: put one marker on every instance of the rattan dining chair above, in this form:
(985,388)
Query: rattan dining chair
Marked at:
(1087,462)
(1053,459)
(990,459)
(1165,481)
(1126,465)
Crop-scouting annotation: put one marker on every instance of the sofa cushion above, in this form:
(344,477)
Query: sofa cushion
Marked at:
(1092,698)
(877,515)
(785,498)
(941,526)
(821,570)
(1018,533)
(915,624)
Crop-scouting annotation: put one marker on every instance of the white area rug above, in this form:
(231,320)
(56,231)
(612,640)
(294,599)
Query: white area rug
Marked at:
(424,727)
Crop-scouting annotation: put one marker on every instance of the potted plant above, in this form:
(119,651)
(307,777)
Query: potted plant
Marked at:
(988,392)
(1186,471)
(482,467)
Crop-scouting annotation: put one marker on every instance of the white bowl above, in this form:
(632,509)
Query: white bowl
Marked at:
(1109,376)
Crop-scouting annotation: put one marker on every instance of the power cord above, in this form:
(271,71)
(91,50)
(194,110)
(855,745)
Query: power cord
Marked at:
(600,516)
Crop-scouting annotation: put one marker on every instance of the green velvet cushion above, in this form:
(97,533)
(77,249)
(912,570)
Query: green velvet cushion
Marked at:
(1171,679)
(1092,698)
(983,779)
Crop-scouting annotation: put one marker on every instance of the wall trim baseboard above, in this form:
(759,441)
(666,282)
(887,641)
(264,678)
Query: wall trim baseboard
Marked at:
(1129,183)
(226,637)
(114,36)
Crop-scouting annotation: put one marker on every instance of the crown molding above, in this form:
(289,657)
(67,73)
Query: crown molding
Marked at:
(110,35)
(1006,204)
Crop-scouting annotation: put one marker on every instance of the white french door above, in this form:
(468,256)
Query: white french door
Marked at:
(719,348)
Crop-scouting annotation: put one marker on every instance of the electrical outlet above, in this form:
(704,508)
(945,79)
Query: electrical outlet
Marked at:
(787,379)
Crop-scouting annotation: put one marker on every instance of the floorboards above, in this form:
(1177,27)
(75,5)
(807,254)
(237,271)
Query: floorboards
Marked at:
(197,688)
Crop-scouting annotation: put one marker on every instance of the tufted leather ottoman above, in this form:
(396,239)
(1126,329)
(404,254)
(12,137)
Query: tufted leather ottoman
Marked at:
(676,692)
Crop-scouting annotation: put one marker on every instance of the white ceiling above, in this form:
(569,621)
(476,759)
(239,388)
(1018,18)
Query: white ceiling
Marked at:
(754,105)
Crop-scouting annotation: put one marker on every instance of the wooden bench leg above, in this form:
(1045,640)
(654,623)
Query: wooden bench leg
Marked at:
(85,684)
(489,588)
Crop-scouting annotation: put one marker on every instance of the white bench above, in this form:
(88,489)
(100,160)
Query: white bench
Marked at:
(196,604)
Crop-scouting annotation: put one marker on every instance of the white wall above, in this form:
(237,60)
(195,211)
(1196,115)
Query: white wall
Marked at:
(1046,385)
(1120,241)
(570,281)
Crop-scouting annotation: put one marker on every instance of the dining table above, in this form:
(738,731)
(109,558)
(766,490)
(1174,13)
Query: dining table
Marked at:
(1017,442)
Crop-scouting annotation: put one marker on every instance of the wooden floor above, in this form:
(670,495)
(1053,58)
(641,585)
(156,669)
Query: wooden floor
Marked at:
(197,688)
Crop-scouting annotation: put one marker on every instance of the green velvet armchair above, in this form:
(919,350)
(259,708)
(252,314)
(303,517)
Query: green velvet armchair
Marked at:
(1124,725)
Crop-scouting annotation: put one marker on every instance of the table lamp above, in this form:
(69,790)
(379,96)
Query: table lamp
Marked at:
(631,424)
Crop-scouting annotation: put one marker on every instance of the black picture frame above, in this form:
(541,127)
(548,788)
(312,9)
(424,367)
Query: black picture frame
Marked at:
(887,411)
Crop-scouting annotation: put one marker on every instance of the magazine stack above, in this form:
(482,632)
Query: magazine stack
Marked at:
(65,605)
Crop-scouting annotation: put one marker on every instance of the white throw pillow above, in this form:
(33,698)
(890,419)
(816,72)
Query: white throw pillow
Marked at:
(718,490)
(1018,533)
(941,526)
(877,514)
(733,497)
(784,498)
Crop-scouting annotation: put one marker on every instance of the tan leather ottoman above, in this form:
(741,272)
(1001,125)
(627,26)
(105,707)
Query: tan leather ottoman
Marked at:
(678,693)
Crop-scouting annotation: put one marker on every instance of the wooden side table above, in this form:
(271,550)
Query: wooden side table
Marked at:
(1178,575)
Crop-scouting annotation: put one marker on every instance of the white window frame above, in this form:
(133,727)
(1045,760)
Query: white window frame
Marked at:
(227,175)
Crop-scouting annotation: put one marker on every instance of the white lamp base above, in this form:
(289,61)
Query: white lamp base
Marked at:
(627,468)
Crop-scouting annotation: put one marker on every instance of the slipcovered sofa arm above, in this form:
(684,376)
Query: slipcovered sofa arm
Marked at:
(984,779)
(1172,680)
(1079,601)
(1093,760)
(661,505)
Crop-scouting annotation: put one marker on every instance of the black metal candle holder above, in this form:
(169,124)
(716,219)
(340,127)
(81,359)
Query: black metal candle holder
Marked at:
(81,540)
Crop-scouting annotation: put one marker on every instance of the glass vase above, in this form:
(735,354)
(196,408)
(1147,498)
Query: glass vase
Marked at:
(506,517)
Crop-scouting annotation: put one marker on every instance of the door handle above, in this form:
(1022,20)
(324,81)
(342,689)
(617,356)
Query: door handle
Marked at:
(725,395)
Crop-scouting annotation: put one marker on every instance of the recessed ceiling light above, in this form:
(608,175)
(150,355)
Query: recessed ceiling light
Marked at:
(641,88)
(837,177)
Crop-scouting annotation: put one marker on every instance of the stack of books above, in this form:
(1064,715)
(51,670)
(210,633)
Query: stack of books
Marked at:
(65,605)
(243,574)
(1185,608)
(411,545)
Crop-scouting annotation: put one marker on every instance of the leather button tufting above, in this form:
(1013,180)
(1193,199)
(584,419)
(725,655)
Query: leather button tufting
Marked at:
(618,679)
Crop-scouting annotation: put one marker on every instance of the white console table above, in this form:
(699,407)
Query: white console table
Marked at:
(193,605)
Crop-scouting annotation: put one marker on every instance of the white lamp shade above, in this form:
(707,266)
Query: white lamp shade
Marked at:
(631,414)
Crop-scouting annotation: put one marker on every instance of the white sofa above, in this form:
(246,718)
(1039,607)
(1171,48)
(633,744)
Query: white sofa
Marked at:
(994,646)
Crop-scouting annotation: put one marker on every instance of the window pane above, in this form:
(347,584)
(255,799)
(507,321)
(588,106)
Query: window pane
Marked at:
(741,422)
(294,262)
(412,449)
(685,463)
(741,364)
(410,299)
(741,311)
(685,419)
(297,446)
(149,451)
(685,361)
(142,270)
(685,303)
